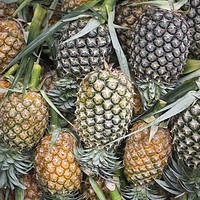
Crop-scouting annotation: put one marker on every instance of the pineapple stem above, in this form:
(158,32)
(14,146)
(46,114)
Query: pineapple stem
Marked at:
(107,7)
(19,192)
(114,193)
(36,23)
(35,76)
(12,70)
(54,119)
(97,189)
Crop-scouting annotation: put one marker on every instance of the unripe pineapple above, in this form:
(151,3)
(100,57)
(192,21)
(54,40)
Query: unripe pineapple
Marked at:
(126,15)
(186,132)
(144,160)
(193,19)
(57,171)
(23,120)
(159,51)
(104,108)
(11,41)
(160,45)
(89,193)
(70,5)
(7,9)
(85,54)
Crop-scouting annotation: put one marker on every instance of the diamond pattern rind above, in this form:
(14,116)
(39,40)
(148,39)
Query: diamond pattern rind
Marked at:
(159,46)
(106,115)
(85,54)
(144,160)
(186,131)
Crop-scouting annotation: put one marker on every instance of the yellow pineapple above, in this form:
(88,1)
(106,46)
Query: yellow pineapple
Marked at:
(11,41)
(57,172)
(144,160)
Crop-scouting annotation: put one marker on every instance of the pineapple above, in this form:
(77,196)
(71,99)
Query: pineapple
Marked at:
(85,54)
(32,191)
(23,120)
(192,18)
(89,193)
(104,107)
(57,171)
(186,133)
(126,15)
(144,160)
(11,41)
(7,9)
(159,50)
(70,5)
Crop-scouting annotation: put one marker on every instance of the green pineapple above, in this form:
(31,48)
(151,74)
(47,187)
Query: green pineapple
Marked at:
(192,18)
(159,51)
(85,54)
(104,108)
(126,16)
(186,133)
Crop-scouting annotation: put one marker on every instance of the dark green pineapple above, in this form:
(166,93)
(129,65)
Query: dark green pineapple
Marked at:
(85,54)
(159,51)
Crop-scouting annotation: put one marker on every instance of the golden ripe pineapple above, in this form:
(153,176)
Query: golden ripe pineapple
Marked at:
(23,120)
(57,172)
(11,41)
(144,160)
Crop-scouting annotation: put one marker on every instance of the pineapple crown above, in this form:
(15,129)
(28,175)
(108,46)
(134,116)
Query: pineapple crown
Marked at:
(13,164)
(64,94)
(181,180)
(97,162)
(138,193)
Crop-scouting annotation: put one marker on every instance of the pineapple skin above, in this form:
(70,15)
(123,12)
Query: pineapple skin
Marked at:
(57,171)
(193,19)
(32,189)
(159,46)
(23,121)
(126,16)
(144,160)
(11,41)
(104,108)
(186,135)
(7,9)
(85,54)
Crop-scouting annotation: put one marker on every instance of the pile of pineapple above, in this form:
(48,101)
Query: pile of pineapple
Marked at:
(100,100)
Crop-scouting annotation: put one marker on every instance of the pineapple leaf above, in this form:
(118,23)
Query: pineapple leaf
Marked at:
(54,135)
(166,187)
(120,54)
(153,131)
(53,106)
(97,189)
(91,25)
(191,65)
